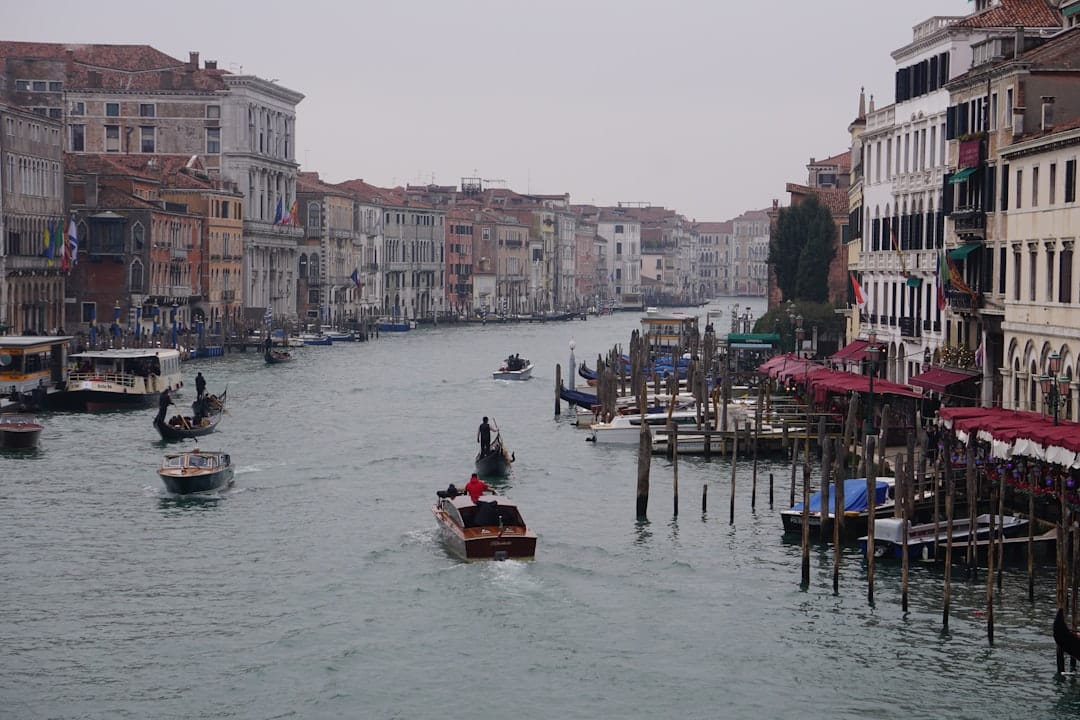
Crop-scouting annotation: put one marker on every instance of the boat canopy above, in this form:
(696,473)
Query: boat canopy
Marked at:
(854,496)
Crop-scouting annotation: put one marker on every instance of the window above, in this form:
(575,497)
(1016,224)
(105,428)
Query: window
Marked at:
(313,217)
(112,109)
(1005,189)
(1019,189)
(146,144)
(147,110)
(89,313)
(135,276)
(22,86)
(618,229)
(618,249)
(137,238)
(78,108)
(1009,108)
(1003,255)
(1053,183)
(56,86)
(1034,186)
(213,112)
(213,141)
(1033,274)
(41,86)
(1065,283)
(1050,273)
(1016,274)
(78,138)
(55,113)
(1070,181)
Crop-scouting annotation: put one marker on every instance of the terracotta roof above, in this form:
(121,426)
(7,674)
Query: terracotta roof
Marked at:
(841,161)
(396,197)
(1061,52)
(110,197)
(119,67)
(310,182)
(1014,13)
(836,199)
(715,227)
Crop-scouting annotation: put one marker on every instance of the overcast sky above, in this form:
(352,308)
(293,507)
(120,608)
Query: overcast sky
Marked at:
(705,106)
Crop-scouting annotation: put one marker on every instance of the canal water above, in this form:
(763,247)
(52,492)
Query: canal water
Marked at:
(316,587)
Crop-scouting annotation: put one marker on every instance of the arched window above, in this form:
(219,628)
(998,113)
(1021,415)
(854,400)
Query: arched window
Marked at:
(135,276)
(303,267)
(314,272)
(137,237)
(313,218)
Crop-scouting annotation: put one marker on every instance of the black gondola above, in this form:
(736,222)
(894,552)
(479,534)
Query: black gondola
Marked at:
(180,427)
(274,357)
(1065,638)
(496,461)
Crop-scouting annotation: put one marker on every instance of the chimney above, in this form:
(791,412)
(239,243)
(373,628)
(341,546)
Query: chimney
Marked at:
(1018,43)
(1018,121)
(1047,112)
(69,61)
(871,103)
(167,79)
(862,102)
(193,60)
(211,64)
(93,78)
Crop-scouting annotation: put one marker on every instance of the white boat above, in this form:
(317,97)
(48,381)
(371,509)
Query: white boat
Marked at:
(514,368)
(340,335)
(925,539)
(626,429)
(122,378)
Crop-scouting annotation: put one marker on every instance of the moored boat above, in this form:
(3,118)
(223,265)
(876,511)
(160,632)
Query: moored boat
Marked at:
(856,507)
(197,471)
(340,336)
(119,378)
(924,539)
(31,368)
(1065,637)
(18,431)
(491,529)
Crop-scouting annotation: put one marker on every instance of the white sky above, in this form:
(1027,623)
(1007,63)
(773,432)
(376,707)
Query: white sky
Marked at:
(705,106)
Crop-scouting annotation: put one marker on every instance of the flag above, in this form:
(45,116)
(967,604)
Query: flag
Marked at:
(277,214)
(286,219)
(956,280)
(356,277)
(860,299)
(293,213)
(269,316)
(896,245)
(73,238)
(941,274)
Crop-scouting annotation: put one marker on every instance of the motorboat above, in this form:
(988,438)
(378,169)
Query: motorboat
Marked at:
(19,431)
(119,378)
(514,368)
(924,539)
(496,461)
(316,339)
(204,422)
(196,471)
(856,507)
(626,429)
(490,529)
(340,336)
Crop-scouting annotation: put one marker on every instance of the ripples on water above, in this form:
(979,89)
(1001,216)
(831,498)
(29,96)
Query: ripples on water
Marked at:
(316,588)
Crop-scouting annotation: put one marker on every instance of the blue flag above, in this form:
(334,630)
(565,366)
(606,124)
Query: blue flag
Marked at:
(277,214)
(356,277)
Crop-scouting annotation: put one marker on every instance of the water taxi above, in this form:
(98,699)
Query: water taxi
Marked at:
(120,378)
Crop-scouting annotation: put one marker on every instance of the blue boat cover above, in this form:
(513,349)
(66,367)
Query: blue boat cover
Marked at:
(854,496)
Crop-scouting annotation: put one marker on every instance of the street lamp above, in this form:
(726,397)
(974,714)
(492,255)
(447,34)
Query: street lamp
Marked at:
(800,335)
(873,350)
(1055,388)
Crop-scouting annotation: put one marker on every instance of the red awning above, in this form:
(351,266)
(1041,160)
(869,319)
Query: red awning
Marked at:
(853,351)
(939,379)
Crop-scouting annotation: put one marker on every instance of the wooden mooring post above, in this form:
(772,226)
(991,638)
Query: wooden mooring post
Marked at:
(673,441)
(838,514)
(644,461)
(806,525)
(871,496)
(734,467)
(558,389)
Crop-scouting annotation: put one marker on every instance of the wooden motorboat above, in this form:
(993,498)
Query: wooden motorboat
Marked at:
(275,357)
(492,529)
(19,431)
(197,471)
(925,539)
(496,461)
(1065,637)
(180,427)
(856,507)
(514,368)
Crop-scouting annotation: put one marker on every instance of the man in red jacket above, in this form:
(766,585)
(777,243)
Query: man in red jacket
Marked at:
(475,487)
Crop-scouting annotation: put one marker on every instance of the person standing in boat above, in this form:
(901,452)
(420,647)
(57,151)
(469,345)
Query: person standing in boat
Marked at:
(164,401)
(475,487)
(200,385)
(483,436)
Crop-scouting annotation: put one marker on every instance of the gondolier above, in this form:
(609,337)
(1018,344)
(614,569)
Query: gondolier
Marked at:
(483,436)
(200,385)
(164,401)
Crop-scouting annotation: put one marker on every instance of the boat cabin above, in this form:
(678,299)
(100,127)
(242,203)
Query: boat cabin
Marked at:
(487,513)
(28,363)
(668,334)
(156,368)
(196,461)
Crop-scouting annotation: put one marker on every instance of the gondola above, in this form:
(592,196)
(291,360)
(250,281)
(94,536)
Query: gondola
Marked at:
(274,357)
(496,461)
(180,427)
(1064,636)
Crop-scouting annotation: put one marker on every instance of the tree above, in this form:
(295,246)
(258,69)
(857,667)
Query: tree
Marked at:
(801,250)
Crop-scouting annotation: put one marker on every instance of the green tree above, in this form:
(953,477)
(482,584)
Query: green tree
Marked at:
(801,250)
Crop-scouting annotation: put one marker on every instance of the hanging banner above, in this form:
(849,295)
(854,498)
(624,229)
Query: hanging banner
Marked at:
(969,154)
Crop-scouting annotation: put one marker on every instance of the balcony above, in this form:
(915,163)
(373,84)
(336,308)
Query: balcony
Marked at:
(178,254)
(962,301)
(969,222)
(909,328)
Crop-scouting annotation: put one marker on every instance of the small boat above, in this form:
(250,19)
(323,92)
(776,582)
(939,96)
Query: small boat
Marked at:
(925,539)
(396,325)
(274,357)
(180,427)
(578,398)
(515,368)
(491,529)
(1065,637)
(316,339)
(19,431)
(856,507)
(197,471)
(340,336)
(496,461)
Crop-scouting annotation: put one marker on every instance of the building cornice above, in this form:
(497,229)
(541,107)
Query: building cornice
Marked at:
(1041,145)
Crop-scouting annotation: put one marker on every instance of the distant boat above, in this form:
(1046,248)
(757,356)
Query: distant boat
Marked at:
(19,431)
(276,357)
(121,378)
(514,368)
(316,339)
(197,471)
(340,336)
(492,529)
(396,325)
